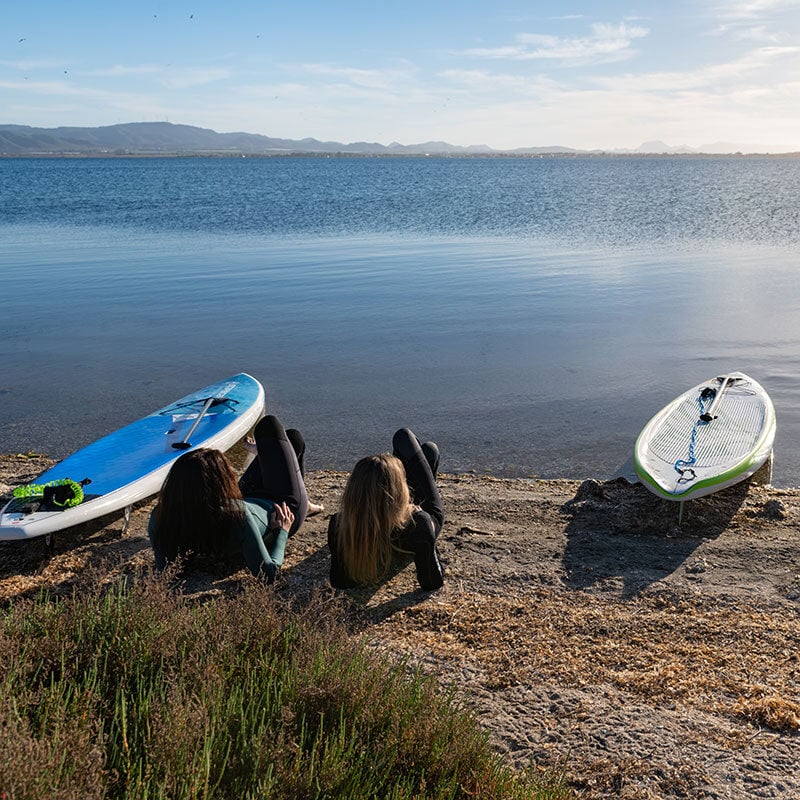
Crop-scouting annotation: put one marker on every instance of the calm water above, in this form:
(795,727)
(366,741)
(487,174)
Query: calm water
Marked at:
(528,314)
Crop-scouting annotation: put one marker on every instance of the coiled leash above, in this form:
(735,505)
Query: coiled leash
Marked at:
(63,493)
(683,466)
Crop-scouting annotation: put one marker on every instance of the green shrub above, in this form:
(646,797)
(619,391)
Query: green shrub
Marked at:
(136,692)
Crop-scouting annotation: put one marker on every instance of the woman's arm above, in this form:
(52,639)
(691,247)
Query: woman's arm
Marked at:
(262,560)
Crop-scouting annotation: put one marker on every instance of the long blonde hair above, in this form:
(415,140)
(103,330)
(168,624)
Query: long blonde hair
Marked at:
(375,503)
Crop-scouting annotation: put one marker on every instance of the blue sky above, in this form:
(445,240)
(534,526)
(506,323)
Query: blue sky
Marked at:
(504,73)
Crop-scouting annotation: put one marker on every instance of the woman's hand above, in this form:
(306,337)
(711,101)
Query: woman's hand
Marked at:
(281,517)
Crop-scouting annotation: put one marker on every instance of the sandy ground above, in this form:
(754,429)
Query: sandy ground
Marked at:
(591,633)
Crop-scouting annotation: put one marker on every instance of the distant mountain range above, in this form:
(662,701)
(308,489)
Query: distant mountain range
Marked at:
(164,138)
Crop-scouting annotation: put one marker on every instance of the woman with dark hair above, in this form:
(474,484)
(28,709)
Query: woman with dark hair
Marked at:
(202,511)
(390,505)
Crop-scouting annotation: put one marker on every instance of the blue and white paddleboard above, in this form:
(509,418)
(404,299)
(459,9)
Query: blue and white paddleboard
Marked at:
(131,464)
(712,436)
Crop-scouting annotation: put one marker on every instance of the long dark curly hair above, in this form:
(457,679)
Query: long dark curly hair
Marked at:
(199,501)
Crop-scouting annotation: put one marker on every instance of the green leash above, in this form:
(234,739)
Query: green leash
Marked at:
(70,495)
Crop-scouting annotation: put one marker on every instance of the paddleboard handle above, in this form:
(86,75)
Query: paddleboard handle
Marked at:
(185,444)
(709,414)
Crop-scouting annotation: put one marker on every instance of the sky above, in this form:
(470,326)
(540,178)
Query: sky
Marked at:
(506,73)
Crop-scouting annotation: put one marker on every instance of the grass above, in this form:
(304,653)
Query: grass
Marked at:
(136,692)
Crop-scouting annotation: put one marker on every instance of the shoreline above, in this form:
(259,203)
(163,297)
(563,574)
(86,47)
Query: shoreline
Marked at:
(587,630)
(122,153)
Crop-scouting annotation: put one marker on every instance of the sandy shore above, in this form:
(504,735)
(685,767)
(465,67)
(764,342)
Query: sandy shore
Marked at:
(589,631)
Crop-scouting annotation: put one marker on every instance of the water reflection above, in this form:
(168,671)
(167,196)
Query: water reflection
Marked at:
(519,357)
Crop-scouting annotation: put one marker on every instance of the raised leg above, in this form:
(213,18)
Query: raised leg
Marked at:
(275,473)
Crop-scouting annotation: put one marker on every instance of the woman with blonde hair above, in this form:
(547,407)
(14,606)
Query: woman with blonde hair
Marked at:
(390,505)
(203,512)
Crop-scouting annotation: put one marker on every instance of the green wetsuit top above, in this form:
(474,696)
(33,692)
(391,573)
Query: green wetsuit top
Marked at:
(261,548)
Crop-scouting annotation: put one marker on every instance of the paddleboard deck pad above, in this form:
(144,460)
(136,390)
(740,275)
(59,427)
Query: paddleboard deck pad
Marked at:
(131,464)
(712,436)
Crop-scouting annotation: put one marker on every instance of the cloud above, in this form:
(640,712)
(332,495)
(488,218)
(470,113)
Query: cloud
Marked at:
(357,89)
(472,82)
(626,115)
(737,71)
(754,9)
(750,98)
(385,79)
(122,71)
(187,78)
(168,76)
(757,33)
(31,65)
(754,20)
(605,43)
(55,88)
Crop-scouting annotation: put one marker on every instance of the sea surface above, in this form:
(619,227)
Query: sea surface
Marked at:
(528,314)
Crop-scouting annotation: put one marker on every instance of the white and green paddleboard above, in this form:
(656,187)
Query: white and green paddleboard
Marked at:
(713,436)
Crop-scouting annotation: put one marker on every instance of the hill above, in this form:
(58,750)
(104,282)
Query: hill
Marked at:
(168,139)
(164,138)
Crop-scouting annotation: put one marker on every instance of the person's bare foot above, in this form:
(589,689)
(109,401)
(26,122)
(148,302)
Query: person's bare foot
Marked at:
(315,508)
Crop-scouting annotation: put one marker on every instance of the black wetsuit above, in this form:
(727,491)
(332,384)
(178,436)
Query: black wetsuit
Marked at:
(274,476)
(418,537)
(276,473)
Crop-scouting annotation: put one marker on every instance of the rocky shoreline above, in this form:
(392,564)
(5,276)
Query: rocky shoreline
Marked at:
(591,633)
